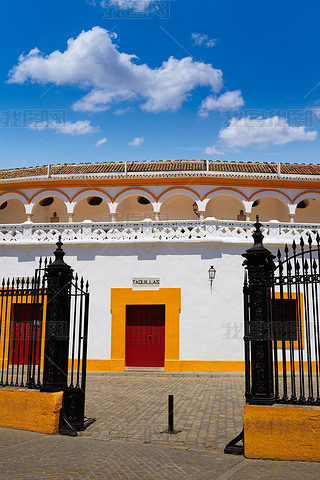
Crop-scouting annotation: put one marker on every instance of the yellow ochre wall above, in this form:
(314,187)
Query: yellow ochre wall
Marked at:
(120,298)
(282,432)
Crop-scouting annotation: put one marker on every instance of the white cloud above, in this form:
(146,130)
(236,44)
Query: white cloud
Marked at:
(121,111)
(203,39)
(212,151)
(136,142)
(137,5)
(101,142)
(263,131)
(226,101)
(93,62)
(81,127)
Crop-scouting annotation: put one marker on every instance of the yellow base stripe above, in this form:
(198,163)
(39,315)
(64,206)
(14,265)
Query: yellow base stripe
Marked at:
(30,410)
(282,432)
(170,366)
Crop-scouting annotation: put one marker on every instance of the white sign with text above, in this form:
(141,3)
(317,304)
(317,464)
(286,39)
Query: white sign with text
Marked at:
(146,283)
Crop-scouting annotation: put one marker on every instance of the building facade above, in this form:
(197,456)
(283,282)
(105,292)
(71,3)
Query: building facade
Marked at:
(144,234)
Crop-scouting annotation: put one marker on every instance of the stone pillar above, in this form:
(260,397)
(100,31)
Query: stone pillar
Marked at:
(56,352)
(259,264)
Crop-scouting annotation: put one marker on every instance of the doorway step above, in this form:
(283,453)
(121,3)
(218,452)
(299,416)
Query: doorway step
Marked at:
(149,370)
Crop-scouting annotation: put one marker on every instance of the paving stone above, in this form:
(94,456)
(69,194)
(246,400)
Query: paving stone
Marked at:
(125,441)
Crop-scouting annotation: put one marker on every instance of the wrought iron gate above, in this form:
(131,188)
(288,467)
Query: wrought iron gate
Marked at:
(22,314)
(44,335)
(282,324)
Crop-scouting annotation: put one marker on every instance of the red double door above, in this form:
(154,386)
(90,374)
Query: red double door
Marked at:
(145,335)
(25,334)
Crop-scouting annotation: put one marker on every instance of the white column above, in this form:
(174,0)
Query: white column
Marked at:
(202,204)
(248,210)
(70,210)
(113,209)
(292,212)
(156,209)
(29,211)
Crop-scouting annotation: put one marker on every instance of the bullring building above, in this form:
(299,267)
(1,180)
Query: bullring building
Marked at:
(161,245)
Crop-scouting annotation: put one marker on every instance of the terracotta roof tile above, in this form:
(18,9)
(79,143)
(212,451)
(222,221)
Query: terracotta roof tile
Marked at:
(140,167)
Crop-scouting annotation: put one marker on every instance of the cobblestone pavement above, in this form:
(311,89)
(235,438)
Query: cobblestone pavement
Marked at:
(125,443)
(207,410)
(33,456)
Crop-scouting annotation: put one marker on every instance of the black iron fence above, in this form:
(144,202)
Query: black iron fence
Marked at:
(282,324)
(22,313)
(44,334)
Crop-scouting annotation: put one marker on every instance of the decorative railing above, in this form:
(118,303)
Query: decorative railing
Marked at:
(152,231)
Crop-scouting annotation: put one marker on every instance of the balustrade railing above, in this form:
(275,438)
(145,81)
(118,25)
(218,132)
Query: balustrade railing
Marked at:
(153,231)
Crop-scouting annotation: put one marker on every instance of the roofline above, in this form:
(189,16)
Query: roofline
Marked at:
(161,174)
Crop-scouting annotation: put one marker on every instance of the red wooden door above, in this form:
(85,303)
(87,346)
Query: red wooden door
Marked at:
(145,333)
(25,333)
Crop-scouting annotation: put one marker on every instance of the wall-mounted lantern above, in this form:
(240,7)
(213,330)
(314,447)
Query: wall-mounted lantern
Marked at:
(212,275)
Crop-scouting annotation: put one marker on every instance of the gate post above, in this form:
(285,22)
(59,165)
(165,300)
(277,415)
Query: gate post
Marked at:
(56,351)
(259,264)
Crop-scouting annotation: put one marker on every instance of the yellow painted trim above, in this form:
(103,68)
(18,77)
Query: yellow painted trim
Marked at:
(205,366)
(222,189)
(271,191)
(19,193)
(121,297)
(282,432)
(172,189)
(127,190)
(130,182)
(74,198)
(96,365)
(31,410)
(46,190)
(306,192)
(171,366)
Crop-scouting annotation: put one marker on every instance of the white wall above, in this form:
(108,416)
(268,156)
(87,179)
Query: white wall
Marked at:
(206,321)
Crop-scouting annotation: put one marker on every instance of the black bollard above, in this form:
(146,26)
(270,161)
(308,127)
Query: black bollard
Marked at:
(170,414)
(171,429)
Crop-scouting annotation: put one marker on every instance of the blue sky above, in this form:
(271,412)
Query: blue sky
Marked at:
(145,80)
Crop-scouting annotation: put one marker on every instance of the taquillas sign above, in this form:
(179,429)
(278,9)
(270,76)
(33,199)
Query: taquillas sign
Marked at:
(146,282)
